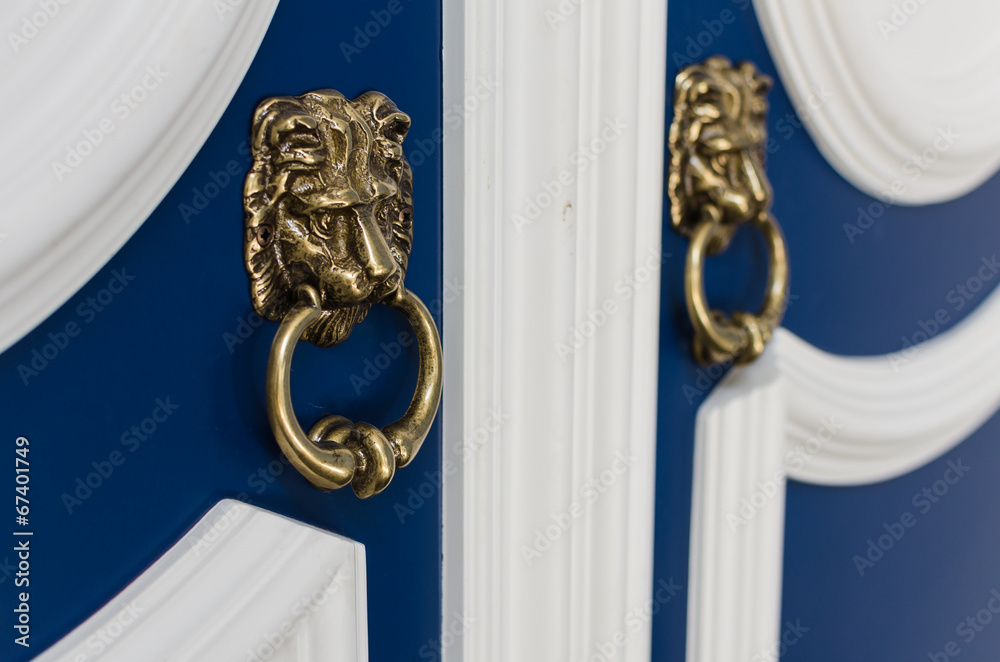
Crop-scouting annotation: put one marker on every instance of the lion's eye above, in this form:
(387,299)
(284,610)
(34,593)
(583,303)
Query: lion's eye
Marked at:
(395,168)
(325,224)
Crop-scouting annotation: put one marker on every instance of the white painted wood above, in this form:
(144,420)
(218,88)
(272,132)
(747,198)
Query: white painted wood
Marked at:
(900,73)
(831,420)
(105,103)
(735,564)
(243,584)
(547,564)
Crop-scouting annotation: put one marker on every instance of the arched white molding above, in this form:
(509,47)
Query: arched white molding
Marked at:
(242,583)
(105,103)
(879,82)
(553,186)
(805,414)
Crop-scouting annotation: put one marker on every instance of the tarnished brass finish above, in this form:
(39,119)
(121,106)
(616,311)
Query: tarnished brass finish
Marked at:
(337,452)
(717,183)
(742,337)
(329,207)
(329,203)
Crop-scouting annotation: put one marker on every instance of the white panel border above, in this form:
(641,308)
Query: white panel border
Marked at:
(900,120)
(804,414)
(243,584)
(186,58)
(527,424)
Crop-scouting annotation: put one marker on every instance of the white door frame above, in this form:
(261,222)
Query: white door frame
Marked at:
(553,181)
(803,414)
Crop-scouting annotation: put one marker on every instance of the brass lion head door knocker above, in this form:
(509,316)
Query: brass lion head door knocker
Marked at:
(329,226)
(717,183)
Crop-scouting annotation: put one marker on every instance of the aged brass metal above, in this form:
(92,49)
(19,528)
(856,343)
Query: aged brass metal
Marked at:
(716,184)
(329,226)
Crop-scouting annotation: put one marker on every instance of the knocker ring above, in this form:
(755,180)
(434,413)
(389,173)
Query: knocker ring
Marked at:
(743,336)
(328,205)
(337,452)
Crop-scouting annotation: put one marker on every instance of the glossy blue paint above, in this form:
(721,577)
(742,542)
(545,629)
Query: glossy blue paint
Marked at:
(164,337)
(853,297)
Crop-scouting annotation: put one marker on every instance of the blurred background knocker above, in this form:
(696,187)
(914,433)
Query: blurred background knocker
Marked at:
(328,204)
(717,183)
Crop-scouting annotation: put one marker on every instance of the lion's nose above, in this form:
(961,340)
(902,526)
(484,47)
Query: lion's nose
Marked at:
(378,262)
(760,190)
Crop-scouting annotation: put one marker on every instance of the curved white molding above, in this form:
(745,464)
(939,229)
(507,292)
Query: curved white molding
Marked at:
(276,589)
(818,418)
(875,96)
(551,348)
(105,104)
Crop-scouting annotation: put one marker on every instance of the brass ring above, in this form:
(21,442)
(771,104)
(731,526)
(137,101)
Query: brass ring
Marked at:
(742,337)
(337,452)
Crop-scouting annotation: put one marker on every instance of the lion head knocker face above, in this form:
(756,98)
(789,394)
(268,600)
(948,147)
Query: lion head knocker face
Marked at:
(717,145)
(329,203)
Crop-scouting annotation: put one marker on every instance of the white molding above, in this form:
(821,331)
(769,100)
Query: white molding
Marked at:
(58,230)
(277,589)
(891,93)
(733,612)
(823,419)
(566,70)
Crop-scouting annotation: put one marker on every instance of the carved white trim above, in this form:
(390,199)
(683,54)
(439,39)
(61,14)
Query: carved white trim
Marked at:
(537,258)
(900,74)
(817,418)
(177,65)
(243,584)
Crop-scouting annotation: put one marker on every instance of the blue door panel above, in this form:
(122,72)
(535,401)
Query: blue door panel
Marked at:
(860,297)
(179,343)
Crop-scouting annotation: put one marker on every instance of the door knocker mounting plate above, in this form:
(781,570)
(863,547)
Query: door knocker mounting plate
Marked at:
(329,226)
